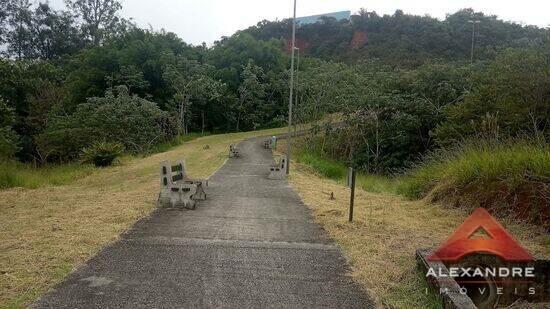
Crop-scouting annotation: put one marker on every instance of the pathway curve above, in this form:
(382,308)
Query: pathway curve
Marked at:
(252,244)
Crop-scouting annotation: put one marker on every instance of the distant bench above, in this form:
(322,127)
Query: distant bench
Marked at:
(278,171)
(176,189)
(234,151)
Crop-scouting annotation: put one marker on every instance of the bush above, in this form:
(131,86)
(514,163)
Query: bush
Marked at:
(511,177)
(135,123)
(102,154)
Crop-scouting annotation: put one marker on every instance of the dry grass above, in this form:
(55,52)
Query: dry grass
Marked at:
(46,233)
(386,231)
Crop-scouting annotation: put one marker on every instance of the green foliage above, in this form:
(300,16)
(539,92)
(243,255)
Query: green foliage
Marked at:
(118,117)
(513,90)
(9,140)
(336,170)
(98,17)
(102,154)
(326,167)
(409,101)
(196,92)
(16,174)
(251,97)
(137,59)
(509,175)
(389,115)
(402,39)
(40,33)
(231,55)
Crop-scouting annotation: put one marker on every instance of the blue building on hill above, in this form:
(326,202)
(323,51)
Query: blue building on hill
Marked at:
(316,18)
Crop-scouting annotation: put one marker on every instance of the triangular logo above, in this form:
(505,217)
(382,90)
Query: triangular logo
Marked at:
(480,232)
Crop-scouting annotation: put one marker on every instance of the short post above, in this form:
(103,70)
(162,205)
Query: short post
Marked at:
(351,184)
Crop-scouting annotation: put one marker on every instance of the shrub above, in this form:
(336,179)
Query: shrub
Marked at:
(135,123)
(102,154)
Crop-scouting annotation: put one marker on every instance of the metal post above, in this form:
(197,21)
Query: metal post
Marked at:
(296,118)
(291,96)
(352,196)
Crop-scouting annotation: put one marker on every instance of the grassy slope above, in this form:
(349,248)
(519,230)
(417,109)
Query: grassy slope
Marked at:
(46,232)
(387,229)
(15,174)
(509,178)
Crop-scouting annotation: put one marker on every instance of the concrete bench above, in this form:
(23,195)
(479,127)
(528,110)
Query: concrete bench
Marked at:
(278,171)
(176,189)
(270,143)
(234,151)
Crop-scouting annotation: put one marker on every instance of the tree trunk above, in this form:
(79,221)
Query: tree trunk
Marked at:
(202,116)
(181,119)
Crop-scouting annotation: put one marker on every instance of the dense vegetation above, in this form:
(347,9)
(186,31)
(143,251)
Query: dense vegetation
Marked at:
(81,86)
(404,40)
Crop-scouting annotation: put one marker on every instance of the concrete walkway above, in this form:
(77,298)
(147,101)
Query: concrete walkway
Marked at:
(252,244)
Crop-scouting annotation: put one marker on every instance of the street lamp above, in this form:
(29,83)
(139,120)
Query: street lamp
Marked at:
(291,96)
(296,118)
(473,22)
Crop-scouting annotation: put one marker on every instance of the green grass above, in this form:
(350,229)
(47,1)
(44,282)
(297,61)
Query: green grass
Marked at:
(511,164)
(335,170)
(14,174)
(178,140)
(326,167)
(510,176)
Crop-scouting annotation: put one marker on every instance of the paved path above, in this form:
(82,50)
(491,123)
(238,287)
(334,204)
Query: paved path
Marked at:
(251,244)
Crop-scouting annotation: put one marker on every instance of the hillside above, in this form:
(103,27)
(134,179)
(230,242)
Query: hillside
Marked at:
(403,39)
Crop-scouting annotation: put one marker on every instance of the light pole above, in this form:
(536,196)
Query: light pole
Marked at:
(291,96)
(297,117)
(473,22)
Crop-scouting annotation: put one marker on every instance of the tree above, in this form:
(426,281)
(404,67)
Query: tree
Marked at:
(98,17)
(3,17)
(53,33)
(19,37)
(251,97)
(193,85)
(8,138)
(230,55)
(513,88)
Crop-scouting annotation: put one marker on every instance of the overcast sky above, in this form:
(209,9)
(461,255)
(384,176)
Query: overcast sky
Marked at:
(197,21)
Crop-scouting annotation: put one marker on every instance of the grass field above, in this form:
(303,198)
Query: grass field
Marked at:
(49,231)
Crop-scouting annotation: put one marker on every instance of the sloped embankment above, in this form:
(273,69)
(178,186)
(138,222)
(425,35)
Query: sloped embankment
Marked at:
(508,178)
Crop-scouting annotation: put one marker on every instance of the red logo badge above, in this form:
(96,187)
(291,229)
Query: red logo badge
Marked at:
(464,241)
